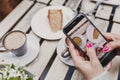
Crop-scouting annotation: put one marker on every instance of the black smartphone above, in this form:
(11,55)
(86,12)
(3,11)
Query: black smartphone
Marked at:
(80,30)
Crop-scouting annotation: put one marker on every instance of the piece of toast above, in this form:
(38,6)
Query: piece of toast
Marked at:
(55,18)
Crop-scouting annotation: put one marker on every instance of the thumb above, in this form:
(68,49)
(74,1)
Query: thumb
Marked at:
(91,52)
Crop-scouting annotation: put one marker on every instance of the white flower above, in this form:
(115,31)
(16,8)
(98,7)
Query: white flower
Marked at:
(13,71)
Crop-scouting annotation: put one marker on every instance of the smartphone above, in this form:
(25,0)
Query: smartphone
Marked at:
(80,30)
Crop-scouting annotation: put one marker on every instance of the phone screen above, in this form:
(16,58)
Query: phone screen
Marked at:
(81,31)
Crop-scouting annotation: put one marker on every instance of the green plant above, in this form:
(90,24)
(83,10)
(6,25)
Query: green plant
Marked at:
(12,72)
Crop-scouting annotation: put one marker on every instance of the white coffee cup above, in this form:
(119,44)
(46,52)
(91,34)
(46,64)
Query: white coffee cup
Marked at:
(65,53)
(15,42)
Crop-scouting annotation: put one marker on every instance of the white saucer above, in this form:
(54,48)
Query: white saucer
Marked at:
(60,47)
(40,24)
(33,50)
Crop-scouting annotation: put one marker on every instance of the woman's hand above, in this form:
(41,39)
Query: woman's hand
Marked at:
(89,69)
(114,42)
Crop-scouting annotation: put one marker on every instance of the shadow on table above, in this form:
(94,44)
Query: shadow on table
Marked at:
(6,6)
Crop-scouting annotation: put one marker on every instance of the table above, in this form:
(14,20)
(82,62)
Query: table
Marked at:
(47,65)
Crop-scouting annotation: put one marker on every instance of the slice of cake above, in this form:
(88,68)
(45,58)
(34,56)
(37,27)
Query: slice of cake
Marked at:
(55,18)
(95,34)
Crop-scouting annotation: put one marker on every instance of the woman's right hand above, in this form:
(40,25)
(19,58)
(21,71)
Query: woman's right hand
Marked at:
(89,68)
(114,42)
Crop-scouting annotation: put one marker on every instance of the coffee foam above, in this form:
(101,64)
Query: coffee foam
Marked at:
(14,40)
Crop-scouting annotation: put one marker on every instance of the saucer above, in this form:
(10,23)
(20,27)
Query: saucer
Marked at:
(60,47)
(40,23)
(32,52)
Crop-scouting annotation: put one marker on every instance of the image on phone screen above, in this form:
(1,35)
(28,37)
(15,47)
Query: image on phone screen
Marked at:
(85,32)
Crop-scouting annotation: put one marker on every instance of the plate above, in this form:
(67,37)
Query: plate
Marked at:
(33,50)
(99,42)
(40,24)
(90,33)
(60,47)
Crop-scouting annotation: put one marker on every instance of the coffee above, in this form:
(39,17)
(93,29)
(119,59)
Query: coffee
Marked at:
(77,40)
(14,40)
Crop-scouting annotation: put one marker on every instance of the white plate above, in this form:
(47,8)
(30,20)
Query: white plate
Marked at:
(89,35)
(99,42)
(33,50)
(40,24)
(60,47)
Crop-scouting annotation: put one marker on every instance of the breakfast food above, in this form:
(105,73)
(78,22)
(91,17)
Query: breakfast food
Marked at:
(77,40)
(55,18)
(95,34)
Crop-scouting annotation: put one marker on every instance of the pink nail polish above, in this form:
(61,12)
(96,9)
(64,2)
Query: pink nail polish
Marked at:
(89,45)
(105,49)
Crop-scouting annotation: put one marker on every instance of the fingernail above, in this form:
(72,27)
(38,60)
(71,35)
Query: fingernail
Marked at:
(105,49)
(89,45)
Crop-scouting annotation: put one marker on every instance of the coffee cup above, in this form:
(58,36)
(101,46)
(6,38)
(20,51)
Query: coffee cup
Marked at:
(65,53)
(15,42)
(79,40)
